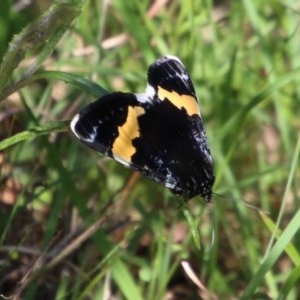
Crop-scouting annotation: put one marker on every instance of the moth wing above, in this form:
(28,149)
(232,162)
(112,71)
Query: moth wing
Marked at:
(109,124)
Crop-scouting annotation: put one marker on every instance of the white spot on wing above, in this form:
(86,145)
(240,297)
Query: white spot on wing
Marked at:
(170,181)
(73,124)
(170,185)
(121,160)
(182,76)
(91,136)
(147,96)
(173,57)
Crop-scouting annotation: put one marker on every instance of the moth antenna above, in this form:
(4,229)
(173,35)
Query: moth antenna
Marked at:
(243,202)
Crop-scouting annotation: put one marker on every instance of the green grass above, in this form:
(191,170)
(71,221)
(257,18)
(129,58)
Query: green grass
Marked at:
(77,225)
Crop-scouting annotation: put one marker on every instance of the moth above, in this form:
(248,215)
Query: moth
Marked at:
(159,132)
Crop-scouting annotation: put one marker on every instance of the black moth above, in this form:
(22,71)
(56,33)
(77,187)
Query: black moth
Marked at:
(159,133)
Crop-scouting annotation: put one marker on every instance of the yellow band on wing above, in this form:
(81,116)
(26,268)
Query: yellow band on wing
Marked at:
(122,146)
(188,102)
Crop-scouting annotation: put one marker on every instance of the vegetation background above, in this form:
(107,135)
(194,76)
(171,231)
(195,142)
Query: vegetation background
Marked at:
(77,225)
